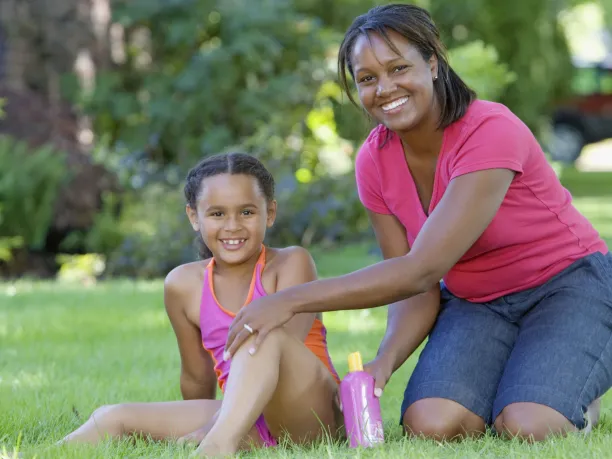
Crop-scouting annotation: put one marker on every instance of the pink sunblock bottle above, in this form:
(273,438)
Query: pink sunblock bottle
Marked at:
(361,408)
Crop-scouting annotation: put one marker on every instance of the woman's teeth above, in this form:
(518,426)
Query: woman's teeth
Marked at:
(396,103)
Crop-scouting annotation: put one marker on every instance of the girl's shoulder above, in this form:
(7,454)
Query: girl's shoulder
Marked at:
(186,273)
(184,283)
(288,263)
(287,257)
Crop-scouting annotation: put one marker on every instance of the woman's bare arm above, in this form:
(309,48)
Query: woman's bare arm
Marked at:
(468,206)
(410,320)
(466,209)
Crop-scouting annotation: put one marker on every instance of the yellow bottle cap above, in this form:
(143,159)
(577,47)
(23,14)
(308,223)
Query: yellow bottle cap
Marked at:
(354,362)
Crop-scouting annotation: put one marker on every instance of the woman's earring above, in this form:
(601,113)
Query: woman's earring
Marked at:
(435,77)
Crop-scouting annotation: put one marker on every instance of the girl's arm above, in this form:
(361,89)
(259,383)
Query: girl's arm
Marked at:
(297,268)
(198,379)
(464,212)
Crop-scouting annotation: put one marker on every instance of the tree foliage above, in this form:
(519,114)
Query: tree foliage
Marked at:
(196,77)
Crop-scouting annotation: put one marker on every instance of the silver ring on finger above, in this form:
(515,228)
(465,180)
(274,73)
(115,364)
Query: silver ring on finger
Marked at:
(248,328)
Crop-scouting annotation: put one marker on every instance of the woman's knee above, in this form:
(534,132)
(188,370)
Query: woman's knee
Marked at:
(441,419)
(531,421)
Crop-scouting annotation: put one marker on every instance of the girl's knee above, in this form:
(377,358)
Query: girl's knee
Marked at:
(273,340)
(110,419)
(441,419)
(277,336)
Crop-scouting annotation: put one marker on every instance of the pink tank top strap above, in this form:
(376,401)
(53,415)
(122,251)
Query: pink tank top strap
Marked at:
(215,320)
(209,304)
(258,289)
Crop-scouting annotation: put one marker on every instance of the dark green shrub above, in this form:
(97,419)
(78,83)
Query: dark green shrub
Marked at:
(30,181)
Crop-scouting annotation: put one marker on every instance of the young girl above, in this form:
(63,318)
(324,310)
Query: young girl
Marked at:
(289,386)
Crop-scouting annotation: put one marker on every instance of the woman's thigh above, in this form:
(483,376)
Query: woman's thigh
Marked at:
(464,357)
(303,405)
(562,357)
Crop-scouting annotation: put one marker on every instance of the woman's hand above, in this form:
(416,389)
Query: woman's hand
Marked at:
(381,369)
(258,318)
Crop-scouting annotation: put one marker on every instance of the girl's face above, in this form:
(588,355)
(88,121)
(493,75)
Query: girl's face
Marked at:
(232,216)
(395,89)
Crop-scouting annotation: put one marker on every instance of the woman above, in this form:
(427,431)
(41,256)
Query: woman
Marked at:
(458,188)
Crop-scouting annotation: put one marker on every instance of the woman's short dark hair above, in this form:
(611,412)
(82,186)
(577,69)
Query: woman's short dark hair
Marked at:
(415,25)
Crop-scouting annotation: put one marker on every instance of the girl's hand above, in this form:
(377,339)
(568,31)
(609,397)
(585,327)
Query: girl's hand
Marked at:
(198,435)
(195,437)
(258,318)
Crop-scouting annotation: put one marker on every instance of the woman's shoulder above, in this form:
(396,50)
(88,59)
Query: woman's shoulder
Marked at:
(374,147)
(481,110)
(377,138)
(488,122)
(378,134)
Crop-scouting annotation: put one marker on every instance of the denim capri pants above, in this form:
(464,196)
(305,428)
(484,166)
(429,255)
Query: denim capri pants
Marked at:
(549,345)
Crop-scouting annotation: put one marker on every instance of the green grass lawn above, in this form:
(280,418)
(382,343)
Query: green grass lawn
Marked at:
(592,193)
(67,349)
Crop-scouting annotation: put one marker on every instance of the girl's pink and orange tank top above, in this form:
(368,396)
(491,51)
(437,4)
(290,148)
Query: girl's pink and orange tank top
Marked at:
(215,321)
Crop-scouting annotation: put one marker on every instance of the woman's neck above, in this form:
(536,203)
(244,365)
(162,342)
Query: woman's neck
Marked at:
(424,140)
(422,145)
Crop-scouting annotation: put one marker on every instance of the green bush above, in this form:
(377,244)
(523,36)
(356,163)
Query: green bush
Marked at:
(478,64)
(318,202)
(29,184)
(205,76)
(7,244)
(155,235)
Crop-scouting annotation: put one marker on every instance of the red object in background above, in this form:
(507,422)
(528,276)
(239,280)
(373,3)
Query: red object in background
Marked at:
(586,117)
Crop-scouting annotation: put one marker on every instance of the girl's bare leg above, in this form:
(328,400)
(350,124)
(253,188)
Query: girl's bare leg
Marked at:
(286,382)
(160,421)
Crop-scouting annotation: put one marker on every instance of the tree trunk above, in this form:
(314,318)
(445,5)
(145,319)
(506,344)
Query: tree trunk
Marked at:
(41,42)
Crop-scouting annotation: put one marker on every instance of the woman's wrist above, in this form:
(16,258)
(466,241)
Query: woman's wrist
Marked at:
(388,353)
(292,303)
(294,299)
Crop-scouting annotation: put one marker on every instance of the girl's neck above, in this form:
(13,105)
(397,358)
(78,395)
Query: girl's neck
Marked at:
(244,269)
